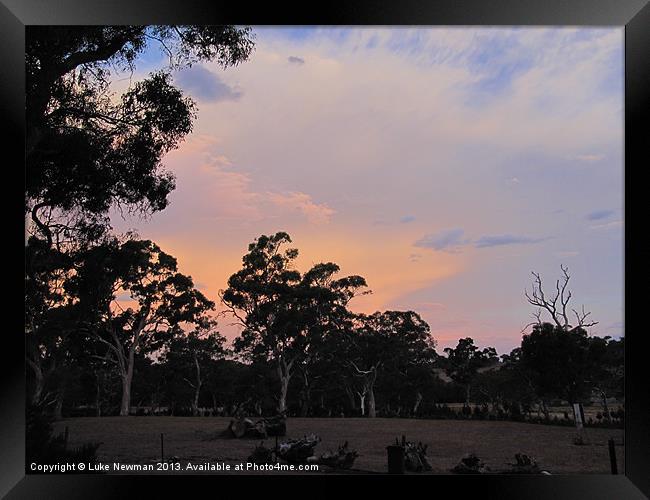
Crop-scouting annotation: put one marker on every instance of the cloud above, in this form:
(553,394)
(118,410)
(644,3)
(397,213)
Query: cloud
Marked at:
(407,218)
(315,213)
(608,225)
(568,253)
(449,240)
(505,239)
(429,306)
(206,85)
(600,214)
(424,151)
(296,60)
(589,158)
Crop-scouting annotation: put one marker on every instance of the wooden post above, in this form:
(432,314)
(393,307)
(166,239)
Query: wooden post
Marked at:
(395,459)
(162,448)
(612,456)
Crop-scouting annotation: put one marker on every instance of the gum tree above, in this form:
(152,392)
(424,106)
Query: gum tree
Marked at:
(138,300)
(281,311)
(88,149)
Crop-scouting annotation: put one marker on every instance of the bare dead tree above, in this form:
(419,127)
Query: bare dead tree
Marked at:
(557,304)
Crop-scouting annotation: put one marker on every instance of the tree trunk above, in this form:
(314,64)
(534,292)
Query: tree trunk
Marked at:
(126,392)
(372,412)
(98,408)
(126,363)
(284,372)
(58,408)
(284,389)
(467,394)
(351,398)
(362,403)
(305,396)
(603,395)
(544,409)
(418,400)
(195,402)
(38,383)
(197,387)
(304,407)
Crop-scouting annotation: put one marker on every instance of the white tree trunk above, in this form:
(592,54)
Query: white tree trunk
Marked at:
(418,400)
(372,412)
(38,382)
(284,372)
(125,406)
(284,389)
(197,387)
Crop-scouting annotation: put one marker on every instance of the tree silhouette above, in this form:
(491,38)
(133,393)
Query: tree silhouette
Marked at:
(88,150)
(157,300)
(387,342)
(280,310)
(556,303)
(464,360)
(189,356)
(560,361)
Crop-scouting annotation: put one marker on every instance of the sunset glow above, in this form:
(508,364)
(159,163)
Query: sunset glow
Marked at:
(443,165)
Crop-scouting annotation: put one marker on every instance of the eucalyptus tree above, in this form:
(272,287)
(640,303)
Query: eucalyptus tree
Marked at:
(88,149)
(464,361)
(190,356)
(566,364)
(282,312)
(384,342)
(138,301)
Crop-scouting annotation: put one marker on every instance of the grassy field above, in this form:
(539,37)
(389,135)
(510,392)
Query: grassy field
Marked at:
(137,440)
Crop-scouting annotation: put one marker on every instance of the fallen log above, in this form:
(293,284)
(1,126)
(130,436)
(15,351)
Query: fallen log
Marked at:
(343,458)
(524,465)
(470,464)
(297,451)
(261,429)
(240,426)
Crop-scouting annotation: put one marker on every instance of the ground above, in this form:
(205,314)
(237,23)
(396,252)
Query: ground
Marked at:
(136,440)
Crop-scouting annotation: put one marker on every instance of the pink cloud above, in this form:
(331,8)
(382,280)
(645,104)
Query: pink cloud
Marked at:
(315,213)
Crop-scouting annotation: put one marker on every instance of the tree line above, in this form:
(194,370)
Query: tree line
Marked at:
(117,325)
(111,323)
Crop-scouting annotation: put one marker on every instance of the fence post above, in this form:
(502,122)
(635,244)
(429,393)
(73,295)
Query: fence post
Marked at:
(612,456)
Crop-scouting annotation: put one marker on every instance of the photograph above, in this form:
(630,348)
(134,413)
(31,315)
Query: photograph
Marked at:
(324,249)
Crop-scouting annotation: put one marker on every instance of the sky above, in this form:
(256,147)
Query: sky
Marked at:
(441,164)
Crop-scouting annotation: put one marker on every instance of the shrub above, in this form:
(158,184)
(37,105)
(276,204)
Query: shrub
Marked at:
(42,447)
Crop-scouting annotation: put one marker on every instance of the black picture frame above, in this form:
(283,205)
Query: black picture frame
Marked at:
(634,15)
